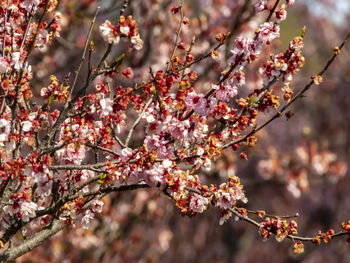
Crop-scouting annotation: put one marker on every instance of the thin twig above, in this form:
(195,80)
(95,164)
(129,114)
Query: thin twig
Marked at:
(87,41)
(226,75)
(27,29)
(102,149)
(272,10)
(4,39)
(236,212)
(125,5)
(296,97)
(177,35)
(270,215)
(46,140)
(232,67)
(195,61)
(291,237)
(117,138)
(80,167)
(136,122)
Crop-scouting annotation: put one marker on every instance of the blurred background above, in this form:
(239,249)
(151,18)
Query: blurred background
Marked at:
(299,165)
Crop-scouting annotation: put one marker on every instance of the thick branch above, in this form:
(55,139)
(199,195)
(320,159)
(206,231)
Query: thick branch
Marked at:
(27,245)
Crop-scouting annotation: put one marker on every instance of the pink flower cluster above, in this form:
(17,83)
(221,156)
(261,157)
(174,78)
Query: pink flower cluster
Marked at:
(89,215)
(246,49)
(199,104)
(284,64)
(160,145)
(126,28)
(198,203)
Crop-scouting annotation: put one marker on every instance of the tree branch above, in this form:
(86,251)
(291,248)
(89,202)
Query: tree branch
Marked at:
(296,97)
(28,244)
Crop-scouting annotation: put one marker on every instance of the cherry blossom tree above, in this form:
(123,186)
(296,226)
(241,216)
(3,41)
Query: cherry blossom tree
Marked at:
(154,98)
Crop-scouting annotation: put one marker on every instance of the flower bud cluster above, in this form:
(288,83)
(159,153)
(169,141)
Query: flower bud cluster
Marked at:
(185,190)
(55,91)
(284,65)
(126,28)
(280,228)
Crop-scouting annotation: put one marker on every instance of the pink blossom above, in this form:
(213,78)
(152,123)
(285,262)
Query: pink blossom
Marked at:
(290,2)
(260,6)
(126,153)
(28,210)
(179,129)
(43,179)
(162,146)
(225,215)
(266,168)
(85,175)
(253,46)
(58,19)
(71,154)
(207,164)
(239,78)
(76,155)
(200,131)
(320,162)
(268,31)
(87,218)
(245,46)
(226,200)
(225,93)
(192,100)
(337,170)
(4,65)
(199,104)
(150,114)
(128,73)
(43,37)
(134,176)
(302,154)
(167,163)
(97,206)
(155,177)
(3,138)
(239,194)
(222,94)
(198,203)
(241,44)
(281,15)
(11,209)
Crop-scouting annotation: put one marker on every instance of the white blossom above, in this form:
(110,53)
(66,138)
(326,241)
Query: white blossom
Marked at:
(4,65)
(26,126)
(30,5)
(106,106)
